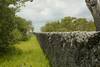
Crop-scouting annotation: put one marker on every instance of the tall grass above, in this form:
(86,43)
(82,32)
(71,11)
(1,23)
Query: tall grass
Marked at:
(25,54)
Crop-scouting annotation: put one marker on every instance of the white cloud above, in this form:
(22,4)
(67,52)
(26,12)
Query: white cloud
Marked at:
(40,11)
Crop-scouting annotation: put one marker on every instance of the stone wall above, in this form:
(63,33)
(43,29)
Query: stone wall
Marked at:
(71,49)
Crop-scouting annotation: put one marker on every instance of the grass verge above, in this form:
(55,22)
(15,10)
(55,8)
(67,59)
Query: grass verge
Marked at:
(24,54)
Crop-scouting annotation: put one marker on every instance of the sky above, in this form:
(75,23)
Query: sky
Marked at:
(41,11)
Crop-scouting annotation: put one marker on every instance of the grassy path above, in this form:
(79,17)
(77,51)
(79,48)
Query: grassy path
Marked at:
(27,54)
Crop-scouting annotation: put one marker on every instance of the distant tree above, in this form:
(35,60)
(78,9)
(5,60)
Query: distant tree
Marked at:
(69,24)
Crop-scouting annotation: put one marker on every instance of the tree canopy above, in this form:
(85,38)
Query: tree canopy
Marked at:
(7,20)
(67,24)
(24,27)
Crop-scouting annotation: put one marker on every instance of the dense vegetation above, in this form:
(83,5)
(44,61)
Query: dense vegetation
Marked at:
(9,32)
(69,24)
(13,29)
(23,29)
(25,54)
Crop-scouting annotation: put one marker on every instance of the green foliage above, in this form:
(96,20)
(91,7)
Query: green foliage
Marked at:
(17,35)
(25,28)
(7,24)
(69,24)
(7,21)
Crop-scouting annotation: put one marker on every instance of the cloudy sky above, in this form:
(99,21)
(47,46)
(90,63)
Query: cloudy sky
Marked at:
(41,11)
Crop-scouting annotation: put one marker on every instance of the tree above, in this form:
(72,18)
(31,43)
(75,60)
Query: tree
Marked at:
(69,24)
(94,7)
(7,21)
(24,27)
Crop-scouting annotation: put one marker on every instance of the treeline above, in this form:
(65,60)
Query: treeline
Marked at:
(68,24)
(12,28)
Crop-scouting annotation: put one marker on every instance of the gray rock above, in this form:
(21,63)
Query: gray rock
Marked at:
(71,49)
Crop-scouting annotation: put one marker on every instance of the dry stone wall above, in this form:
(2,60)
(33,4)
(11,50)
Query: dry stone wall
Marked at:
(71,49)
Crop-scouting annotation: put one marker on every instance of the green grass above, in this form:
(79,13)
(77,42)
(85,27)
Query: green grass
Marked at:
(25,54)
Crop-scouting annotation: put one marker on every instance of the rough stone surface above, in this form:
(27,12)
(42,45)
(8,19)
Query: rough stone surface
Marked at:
(71,49)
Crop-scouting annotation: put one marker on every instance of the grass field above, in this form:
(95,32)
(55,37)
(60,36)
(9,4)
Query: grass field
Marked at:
(25,54)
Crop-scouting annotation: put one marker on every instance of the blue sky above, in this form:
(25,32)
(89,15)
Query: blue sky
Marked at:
(41,11)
